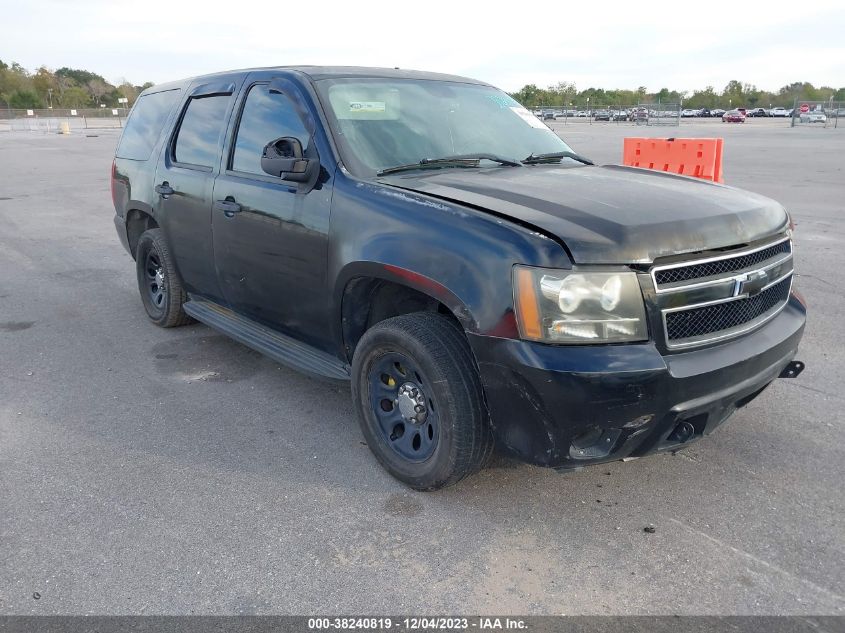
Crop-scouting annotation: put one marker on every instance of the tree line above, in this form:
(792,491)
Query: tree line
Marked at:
(74,88)
(62,88)
(734,94)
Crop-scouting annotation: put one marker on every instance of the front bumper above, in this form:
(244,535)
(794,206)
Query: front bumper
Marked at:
(569,406)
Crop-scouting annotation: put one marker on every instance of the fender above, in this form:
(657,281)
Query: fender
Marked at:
(124,174)
(405,277)
(459,256)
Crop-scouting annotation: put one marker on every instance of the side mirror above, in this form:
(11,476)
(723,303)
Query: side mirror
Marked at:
(284,159)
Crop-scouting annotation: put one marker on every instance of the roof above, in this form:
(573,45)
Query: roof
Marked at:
(317,73)
(334,72)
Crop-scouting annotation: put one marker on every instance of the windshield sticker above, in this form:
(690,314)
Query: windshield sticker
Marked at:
(529,118)
(367,106)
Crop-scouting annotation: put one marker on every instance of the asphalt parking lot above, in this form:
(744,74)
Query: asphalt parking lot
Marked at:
(174,471)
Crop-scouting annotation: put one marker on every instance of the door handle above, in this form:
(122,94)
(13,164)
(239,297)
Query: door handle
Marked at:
(164,189)
(228,206)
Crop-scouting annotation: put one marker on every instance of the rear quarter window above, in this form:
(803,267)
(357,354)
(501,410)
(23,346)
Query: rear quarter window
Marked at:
(145,123)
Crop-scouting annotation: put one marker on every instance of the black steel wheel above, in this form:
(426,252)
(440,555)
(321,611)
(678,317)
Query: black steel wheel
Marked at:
(158,281)
(419,400)
(407,415)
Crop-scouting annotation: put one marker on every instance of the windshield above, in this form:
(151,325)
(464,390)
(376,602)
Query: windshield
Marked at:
(382,123)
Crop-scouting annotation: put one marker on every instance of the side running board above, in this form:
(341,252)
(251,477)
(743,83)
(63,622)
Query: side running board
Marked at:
(275,345)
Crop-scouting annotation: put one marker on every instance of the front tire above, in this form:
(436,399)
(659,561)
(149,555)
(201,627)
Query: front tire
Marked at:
(419,400)
(158,281)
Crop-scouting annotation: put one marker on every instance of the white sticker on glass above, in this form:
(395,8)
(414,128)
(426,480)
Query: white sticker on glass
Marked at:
(367,106)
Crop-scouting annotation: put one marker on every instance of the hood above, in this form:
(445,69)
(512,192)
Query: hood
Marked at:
(609,214)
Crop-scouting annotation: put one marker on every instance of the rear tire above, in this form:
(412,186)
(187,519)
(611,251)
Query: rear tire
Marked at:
(419,400)
(158,282)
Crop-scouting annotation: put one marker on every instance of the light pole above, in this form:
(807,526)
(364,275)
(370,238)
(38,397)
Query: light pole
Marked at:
(589,114)
(50,95)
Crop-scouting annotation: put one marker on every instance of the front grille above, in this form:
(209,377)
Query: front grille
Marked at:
(699,300)
(721,266)
(713,319)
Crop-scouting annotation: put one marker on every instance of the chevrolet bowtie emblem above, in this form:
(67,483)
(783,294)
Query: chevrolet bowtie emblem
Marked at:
(751,284)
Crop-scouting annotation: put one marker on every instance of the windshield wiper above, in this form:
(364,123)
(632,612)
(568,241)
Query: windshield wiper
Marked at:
(459,160)
(533,159)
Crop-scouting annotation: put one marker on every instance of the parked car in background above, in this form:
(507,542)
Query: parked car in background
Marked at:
(548,114)
(581,113)
(717,112)
(757,112)
(779,112)
(602,115)
(733,116)
(814,116)
(688,114)
(620,115)
(639,115)
(704,112)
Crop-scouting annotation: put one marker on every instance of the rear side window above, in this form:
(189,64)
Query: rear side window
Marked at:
(266,116)
(198,137)
(144,125)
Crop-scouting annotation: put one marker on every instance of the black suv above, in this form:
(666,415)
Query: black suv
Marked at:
(428,239)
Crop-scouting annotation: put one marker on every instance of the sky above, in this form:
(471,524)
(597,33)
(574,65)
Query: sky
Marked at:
(681,44)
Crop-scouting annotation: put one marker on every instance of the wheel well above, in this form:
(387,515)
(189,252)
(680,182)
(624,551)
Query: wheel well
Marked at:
(367,301)
(136,223)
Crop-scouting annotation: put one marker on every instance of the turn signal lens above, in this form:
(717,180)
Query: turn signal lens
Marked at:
(528,315)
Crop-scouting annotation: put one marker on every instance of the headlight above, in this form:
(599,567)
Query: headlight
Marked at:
(558,306)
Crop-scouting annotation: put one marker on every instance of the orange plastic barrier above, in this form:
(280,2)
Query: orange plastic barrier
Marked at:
(698,157)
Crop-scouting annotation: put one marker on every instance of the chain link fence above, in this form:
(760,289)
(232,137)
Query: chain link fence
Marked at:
(639,114)
(818,113)
(61,119)
(660,113)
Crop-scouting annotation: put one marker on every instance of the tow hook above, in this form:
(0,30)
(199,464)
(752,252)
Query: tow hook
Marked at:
(792,369)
